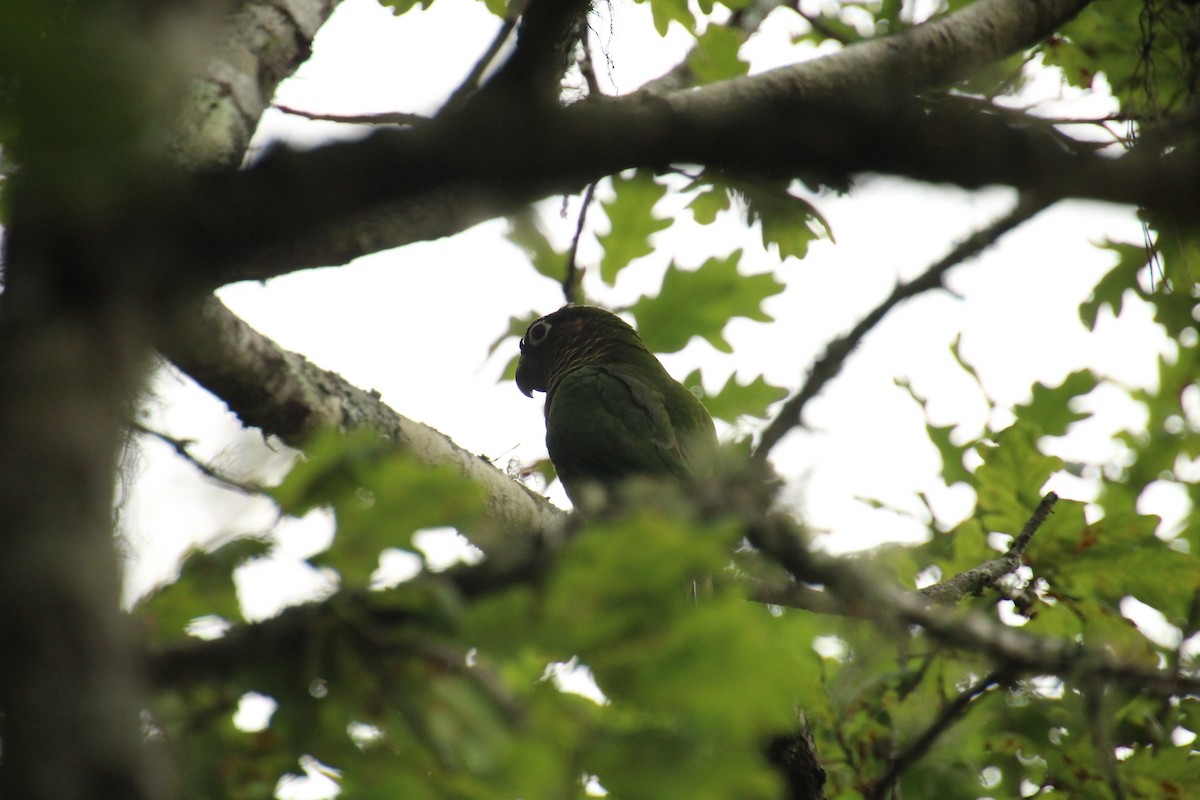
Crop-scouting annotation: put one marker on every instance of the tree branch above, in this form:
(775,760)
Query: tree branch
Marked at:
(386,118)
(263,42)
(916,749)
(974,581)
(180,446)
(863,594)
(574,275)
(827,367)
(400,211)
(967,583)
(531,76)
(284,394)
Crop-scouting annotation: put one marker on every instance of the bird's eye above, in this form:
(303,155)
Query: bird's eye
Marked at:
(537,333)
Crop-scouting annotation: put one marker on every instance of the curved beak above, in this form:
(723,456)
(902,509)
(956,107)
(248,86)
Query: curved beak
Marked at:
(525,380)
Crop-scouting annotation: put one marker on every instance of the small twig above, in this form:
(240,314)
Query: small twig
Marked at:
(827,367)
(822,27)
(917,749)
(180,446)
(1036,520)
(471,83)
(386,118)
(968,582)
(1093,699)
(975,580)
(747,20)
(587,68)
(571,279)
(1191,626)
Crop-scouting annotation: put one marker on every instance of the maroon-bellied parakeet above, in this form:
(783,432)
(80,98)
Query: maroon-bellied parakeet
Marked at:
(612,410)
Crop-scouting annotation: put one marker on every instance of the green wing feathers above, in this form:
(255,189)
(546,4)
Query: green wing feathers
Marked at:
(608,422)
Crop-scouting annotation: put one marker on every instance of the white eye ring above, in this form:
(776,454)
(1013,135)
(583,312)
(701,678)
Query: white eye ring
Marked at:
(537,333)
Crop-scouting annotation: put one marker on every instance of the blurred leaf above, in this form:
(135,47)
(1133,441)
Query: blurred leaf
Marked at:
(1142,52)
(621,598)
(665,12)
(701,302)
(1115,557)
(708,203)
(788,222)
(380,494)
(525,231)
(1010,480)
(1110,291)
(516,329)
(956,351)
(736,400)
(204,588)
(1178,246)
(631,222)
(954,469)
(1050,407)
(715,56)
(399,7)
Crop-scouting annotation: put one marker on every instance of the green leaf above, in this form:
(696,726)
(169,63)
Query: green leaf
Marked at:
(956,351)
(632,222)
(708,203)
(715,56)
(204,588)
(953,455)
(516,328)
(619,598)
(1110,291)
(1050,407)
(667,11)
(701,302)
(1010,480)
(787,222)
(736,400)
(380,494)
(525,231)
(399,7)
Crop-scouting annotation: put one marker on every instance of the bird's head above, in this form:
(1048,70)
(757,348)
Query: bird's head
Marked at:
(571,337)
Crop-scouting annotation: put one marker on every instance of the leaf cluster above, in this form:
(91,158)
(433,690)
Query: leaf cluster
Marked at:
(428,690)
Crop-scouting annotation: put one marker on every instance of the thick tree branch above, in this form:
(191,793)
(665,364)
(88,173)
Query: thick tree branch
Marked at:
(400,211)
(830,364)
(284,394)
(938,53)
(230,219)
(264,41)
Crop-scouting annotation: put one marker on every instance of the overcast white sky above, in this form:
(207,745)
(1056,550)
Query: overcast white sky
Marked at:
(415,323)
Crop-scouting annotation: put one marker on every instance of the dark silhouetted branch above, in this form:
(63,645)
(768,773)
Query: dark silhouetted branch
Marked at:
(830,364)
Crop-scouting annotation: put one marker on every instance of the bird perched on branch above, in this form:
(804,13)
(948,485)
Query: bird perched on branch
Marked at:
(612,410)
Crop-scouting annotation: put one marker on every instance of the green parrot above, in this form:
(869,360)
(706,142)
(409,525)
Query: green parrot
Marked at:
(612,410)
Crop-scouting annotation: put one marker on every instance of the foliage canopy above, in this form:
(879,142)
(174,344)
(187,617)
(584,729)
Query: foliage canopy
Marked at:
(1030,680)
